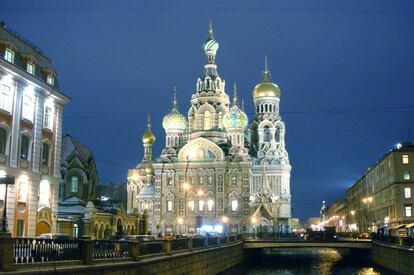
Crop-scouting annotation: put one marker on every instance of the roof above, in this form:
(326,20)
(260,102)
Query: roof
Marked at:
(22,47)
(70,144)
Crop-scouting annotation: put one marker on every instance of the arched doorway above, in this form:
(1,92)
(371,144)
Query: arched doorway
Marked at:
(119,227)
(42,227)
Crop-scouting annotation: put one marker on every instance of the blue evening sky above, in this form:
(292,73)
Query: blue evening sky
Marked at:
(345,69)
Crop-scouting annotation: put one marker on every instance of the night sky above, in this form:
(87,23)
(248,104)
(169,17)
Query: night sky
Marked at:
(345,68)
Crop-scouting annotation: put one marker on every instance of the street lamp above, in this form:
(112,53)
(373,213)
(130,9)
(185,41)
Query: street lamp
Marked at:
(180,222)
(254,220)
(225,220)
(7,180)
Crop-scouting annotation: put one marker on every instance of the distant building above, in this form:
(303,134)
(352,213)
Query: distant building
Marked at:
(337,215)
(31,109)
(383,196)
(80,213)
(216,172)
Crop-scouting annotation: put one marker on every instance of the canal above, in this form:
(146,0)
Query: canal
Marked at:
(306,261)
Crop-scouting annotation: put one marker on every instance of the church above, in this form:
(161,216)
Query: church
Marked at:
(217,172)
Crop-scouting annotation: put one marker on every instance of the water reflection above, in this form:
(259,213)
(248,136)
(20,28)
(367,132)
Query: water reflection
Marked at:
(307,261)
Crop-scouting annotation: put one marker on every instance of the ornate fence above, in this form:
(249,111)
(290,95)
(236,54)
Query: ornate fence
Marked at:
(403,241)
(31,250)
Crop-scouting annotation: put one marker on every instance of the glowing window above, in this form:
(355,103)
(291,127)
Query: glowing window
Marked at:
(9,55)
(30,68)
(210,204)
(169,206)
(405,159)
(408,210)
(406,175)
(48,118)
(191,205)
(201,205)
(407,192)
(234,205)
(74,184)
(28,107)
(44,193)
(210,180)
(201,180)
(50,80)
(5,98)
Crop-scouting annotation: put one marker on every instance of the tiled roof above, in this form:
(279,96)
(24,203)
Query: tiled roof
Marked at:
(69,144)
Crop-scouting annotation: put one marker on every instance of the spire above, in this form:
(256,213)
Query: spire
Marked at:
(266,73)
(210,30)
(149,121)
(242,105)
(175,98)
(235,95)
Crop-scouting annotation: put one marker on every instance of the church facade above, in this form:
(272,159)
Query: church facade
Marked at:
(217,172)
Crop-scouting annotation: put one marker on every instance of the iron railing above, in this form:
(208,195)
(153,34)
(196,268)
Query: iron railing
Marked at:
(31,250)
(198,242)
(179,244)
(402,241)
(151,247)
(104,249)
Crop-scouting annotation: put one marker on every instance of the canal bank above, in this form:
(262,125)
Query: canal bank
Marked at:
(394,257)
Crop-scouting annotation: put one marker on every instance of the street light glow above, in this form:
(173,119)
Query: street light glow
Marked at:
(224,219)
(180,220)
(253,220)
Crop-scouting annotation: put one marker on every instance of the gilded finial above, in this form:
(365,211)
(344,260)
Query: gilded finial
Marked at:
(210,29)
(235,95)
(175,98)
(266,68)
(266,73)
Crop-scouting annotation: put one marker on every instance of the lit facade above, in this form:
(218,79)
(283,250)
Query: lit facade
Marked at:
(31,108)
(216,172)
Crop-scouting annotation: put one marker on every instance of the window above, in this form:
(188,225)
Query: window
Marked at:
(3,141)
(75,230)
(9,55)
(405,159)
(169,181)
(207,120)
(201,180)
(408,210)
(45,154)
(30,68)
(407,192)
(192,180)
(5,98)
(234,205)
(201,206)
(169,206)
(48,117)
(210,180)
(22,190)
(50,80)
(210,204)
(24,147)
(406,175)
(28,107)
(233,180)
(191,205)
(20,228)
(74,184)
(44,193)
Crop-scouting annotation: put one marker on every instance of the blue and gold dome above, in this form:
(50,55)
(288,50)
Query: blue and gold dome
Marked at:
(211,45)
(174,120)
(235,118)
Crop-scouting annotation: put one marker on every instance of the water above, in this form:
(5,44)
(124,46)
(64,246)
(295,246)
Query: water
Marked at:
(307,261)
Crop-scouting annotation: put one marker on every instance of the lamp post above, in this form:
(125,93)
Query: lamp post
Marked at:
(225,220)
(6,180)
(254,220)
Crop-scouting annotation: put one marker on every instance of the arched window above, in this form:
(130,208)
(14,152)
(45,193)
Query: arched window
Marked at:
(266,133)
(24,147)
(3,140)
(207,120)
(45,154)
(277,134)
(266,108)
(170,206)
(74,184)
(210,204)
(220,120)
(191,206)
(201,206)
(234,205)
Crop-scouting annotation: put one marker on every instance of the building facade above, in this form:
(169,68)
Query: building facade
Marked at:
(383,196)
(216,172)
(80,212)
(31,108)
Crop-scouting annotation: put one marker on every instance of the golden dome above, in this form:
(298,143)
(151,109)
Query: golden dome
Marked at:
(148,137)
(174,120)
(266,88)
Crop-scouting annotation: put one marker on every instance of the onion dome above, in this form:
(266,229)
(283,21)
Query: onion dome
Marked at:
(174,120)
(148,137)
(235,118)
(211,45)
(147,192)
(266,88)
